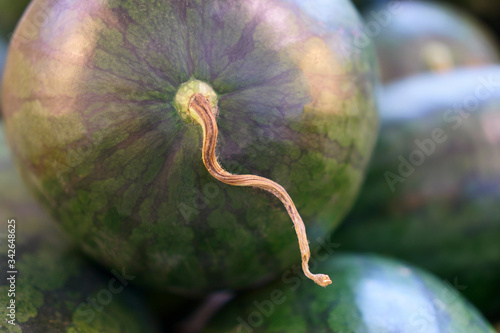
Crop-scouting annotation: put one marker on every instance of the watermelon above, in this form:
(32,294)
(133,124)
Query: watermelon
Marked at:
(369,294)
(54,288)
(432,192)
(89,101)
(419,36)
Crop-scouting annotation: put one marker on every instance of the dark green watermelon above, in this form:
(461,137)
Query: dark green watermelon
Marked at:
(55,289)
(419,36)
(88,105)
(369,294)
(442,212)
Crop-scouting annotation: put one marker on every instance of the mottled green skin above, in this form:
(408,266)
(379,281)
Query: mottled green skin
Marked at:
(445,216)
(424,36)
(369,294)
(53,280)
(10,12)
(88,107)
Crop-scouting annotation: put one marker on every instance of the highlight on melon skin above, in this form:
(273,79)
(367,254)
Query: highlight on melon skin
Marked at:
(90,108)
(370,293)
(453,190)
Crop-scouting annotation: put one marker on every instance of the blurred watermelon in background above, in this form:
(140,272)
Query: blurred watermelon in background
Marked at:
(441,211)
(432,193)
(370,294)
(484,10)
(421,36)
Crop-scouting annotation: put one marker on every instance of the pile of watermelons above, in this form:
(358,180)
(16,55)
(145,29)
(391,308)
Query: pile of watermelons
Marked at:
(170,152)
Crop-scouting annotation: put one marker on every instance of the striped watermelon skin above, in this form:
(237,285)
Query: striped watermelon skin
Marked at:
(87,103)
(442,215)
(368,294)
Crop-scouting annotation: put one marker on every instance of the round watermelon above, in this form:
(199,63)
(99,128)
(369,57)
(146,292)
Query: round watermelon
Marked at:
(432,192)
(369,294)
(418,36)
(90,109)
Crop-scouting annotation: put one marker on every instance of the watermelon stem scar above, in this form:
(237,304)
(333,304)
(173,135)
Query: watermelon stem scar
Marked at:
(201,109)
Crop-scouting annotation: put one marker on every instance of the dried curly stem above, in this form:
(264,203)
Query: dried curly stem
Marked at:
(205,117)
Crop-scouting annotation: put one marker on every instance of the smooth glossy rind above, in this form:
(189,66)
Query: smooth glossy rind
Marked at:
(370,294)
